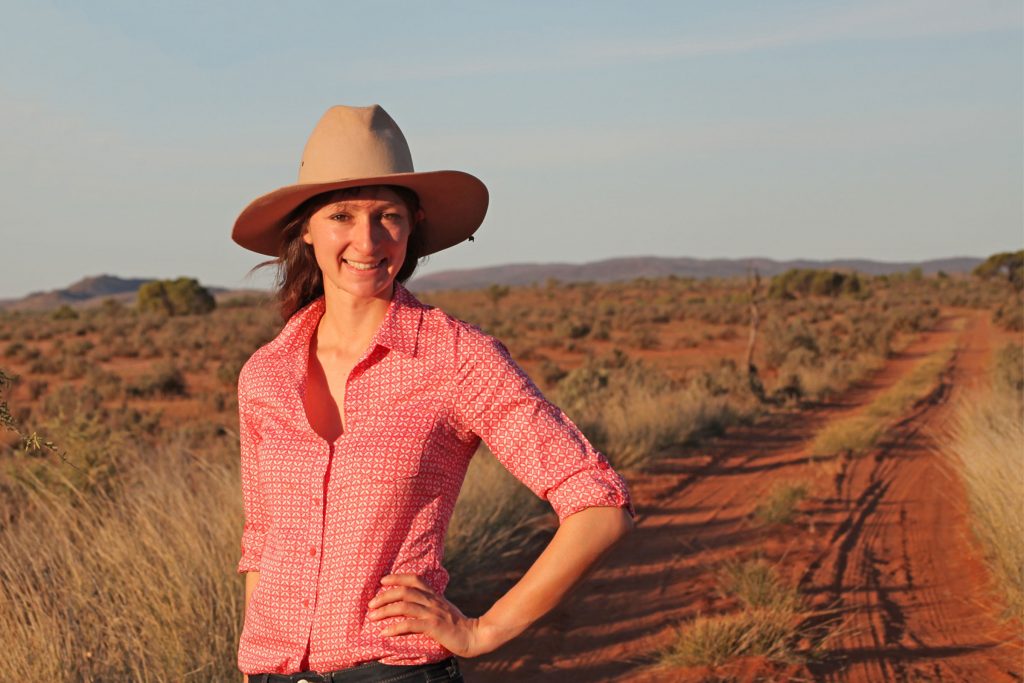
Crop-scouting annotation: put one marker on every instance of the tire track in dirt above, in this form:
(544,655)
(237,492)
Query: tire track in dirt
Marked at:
(902,567)
(695,509)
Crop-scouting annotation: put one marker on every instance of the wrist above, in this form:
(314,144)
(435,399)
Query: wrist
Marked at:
(493,633)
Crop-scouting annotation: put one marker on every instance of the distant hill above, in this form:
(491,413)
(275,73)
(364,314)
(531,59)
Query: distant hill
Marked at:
(653,266)
(91,291)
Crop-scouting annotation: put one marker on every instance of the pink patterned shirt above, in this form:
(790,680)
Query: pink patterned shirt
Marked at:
(324,522)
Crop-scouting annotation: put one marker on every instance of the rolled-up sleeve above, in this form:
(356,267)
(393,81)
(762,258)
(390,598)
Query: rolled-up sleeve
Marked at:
(254,529)
(533,438)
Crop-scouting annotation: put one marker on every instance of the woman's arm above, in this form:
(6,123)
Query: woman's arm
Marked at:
(495,400)
(582,539)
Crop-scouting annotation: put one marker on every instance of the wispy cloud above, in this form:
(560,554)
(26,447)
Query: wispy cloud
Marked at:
(866,21)
(909,19)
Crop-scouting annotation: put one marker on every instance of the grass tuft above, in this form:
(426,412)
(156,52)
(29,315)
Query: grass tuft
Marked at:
(766,627)
(756,584)
(712,641)
(780,505)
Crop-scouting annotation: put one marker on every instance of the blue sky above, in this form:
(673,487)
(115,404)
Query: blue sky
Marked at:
(134,132)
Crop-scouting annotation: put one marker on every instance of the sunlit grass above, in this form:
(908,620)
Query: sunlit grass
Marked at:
(766,626)
(779,507)
(861,432)
(984,443)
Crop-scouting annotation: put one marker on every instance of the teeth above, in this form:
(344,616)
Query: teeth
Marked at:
(363,266)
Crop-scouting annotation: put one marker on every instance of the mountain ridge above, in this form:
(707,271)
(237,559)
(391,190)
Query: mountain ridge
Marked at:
(92,290)
(631,267)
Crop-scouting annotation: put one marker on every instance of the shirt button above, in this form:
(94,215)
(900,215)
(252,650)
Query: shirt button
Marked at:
(312,551)
(603,464)
(305,603)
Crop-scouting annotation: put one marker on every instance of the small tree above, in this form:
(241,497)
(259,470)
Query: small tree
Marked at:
(65,312)
(496,293)
(175,297)
(1008,264)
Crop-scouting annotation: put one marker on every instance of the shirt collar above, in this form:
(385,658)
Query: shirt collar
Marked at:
(398,331)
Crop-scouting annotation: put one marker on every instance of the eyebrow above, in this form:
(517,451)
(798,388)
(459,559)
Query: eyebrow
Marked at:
(387,203)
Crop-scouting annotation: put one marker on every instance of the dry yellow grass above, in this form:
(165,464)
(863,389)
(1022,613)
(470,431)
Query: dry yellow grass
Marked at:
(984,443)
(859,433)
(779,505)
(830,375)
(766,626)
(495,517)
(126,572)
(138,585)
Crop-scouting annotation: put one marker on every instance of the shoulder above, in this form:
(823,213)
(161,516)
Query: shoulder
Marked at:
(263,370)
(456,337)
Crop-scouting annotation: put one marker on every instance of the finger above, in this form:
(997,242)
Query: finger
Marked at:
(411,580)
(409,609)
(407,626)
(400,594)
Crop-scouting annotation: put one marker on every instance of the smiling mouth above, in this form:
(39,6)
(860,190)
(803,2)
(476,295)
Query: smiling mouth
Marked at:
(371,265)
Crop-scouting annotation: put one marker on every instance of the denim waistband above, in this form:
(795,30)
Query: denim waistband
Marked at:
(368,672)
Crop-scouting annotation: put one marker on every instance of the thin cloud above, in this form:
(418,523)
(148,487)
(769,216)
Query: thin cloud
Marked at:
(878,21)
(873,21)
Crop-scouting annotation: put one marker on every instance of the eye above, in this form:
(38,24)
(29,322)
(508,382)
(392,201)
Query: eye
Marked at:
(340,216)
(392,216)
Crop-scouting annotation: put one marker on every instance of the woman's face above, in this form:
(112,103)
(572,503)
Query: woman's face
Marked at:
(360,242)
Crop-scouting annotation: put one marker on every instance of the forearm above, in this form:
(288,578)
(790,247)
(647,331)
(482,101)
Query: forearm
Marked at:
(581,540)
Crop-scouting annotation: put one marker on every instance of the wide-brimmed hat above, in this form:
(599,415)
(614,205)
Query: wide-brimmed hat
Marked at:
(353,146)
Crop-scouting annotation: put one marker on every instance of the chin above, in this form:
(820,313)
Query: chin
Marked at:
(367,289)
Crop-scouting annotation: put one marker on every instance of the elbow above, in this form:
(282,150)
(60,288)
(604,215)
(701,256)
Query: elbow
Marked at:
(621,525)
(626,523)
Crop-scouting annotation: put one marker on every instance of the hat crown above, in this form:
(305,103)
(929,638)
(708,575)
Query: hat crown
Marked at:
(354,142)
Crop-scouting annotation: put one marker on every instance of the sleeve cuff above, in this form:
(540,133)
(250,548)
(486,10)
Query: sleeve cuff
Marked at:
(252,550)
(600,487)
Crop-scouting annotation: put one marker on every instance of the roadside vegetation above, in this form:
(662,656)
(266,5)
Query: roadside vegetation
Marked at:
(984,445)
(779,507)
(120,508)
(859,433)
(765,623)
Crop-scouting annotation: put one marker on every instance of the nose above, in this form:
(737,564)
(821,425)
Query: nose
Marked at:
(366,233)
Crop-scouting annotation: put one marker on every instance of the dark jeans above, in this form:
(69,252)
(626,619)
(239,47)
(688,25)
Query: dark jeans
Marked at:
(373,672)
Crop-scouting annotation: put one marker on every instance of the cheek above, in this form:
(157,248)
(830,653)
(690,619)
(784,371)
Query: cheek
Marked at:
(323,241)
(401,247)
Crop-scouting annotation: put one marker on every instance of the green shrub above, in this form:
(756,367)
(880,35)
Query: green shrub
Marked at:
(64,312)
(166,380)
(1010,315)
(780,505)
(175,297)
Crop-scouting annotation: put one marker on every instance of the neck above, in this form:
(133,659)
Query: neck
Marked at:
(349,322)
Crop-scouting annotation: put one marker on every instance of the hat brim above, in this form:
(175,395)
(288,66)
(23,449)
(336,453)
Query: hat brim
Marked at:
(454,204)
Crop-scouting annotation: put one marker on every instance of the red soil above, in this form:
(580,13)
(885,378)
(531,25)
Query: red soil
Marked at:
(886,548)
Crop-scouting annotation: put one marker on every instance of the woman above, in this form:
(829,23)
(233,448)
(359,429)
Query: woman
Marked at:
(358,421)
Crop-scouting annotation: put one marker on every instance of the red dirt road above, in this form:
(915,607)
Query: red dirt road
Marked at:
(887,545)
(901,561)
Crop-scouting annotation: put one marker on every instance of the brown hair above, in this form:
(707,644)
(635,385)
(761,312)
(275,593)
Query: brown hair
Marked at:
(299,280)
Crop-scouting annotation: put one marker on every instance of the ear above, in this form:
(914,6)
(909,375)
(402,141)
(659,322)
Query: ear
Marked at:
(306,237)
(420,215)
